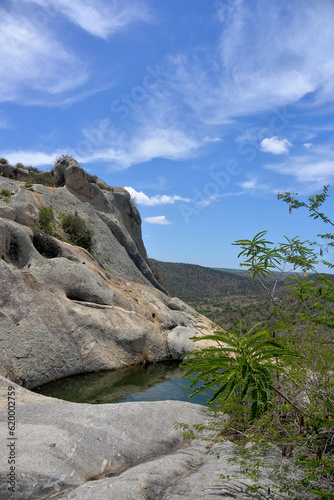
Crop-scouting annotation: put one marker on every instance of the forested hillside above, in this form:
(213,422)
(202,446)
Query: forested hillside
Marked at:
(194,283)
(228,298)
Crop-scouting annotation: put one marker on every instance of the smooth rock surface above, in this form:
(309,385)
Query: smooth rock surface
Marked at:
(62,313)
(121,451)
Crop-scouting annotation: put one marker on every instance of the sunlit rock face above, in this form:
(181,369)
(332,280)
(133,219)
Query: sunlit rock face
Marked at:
(65,311)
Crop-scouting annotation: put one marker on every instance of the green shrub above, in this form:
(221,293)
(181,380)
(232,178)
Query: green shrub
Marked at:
(46,220)
(92,178)
(104,186)
(77,230)
(3,161)
(5,195)
(39,178)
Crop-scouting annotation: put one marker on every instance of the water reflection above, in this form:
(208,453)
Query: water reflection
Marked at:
(157,382)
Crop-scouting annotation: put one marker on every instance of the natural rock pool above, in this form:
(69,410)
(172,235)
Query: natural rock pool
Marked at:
(156,382)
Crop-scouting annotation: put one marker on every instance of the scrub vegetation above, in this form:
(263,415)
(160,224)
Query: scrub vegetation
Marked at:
(67,227)
(275,382)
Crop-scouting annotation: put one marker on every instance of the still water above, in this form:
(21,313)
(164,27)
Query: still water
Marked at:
(156,382)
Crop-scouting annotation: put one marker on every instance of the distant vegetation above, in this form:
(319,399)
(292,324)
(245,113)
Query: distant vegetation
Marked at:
(228,298)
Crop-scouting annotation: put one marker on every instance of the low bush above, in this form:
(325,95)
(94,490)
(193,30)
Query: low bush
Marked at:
(70,228)
(3,161)
(92,178)
(77,230)
(47,221)
(5,195)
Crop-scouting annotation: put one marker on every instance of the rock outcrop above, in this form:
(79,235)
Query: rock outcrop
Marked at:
(62,313)
(12,172)
(117,243)
(121,451)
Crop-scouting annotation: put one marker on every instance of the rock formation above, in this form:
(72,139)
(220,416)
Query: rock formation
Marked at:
(64,311)
(73,451)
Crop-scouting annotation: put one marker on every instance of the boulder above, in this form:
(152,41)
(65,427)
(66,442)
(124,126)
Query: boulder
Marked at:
(21,212)
(12,172)
(76,179)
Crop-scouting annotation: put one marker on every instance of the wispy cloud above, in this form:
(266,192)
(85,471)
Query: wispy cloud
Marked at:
(271,54)
(160,199)
(40,67)
(144,143)
(253,185)
(4,123)
(275,145)
(158,219)
(310,171)
(34,61)
(212,139)
(100,18)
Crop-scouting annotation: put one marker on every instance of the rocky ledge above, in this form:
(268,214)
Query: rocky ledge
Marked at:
(132,451)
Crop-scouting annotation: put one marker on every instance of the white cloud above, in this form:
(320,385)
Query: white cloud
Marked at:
(147,142)
(159,219)
(212,139)
(142,199)
(307,170)
(308,145)
(275,145)
(254,186)
(310,171)
(250,184)
(98,17)
(33,158)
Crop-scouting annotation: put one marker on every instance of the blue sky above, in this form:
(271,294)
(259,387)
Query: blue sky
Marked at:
(203,110)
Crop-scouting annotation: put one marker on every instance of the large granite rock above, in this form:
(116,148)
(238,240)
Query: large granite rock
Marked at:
(62,313)
(121,451)
(117,243)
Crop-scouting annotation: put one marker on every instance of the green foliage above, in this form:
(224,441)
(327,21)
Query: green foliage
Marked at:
(103,186)
(68,227)
(273,398)
(312,205)
(3,161)
(239,365)
(47,221)
(91,178)
(19,165)
(262,258)
(77,230)
(46,179)
(5,195)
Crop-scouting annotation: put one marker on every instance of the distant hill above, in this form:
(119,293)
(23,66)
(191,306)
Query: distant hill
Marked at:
(193,283)
(240,272)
